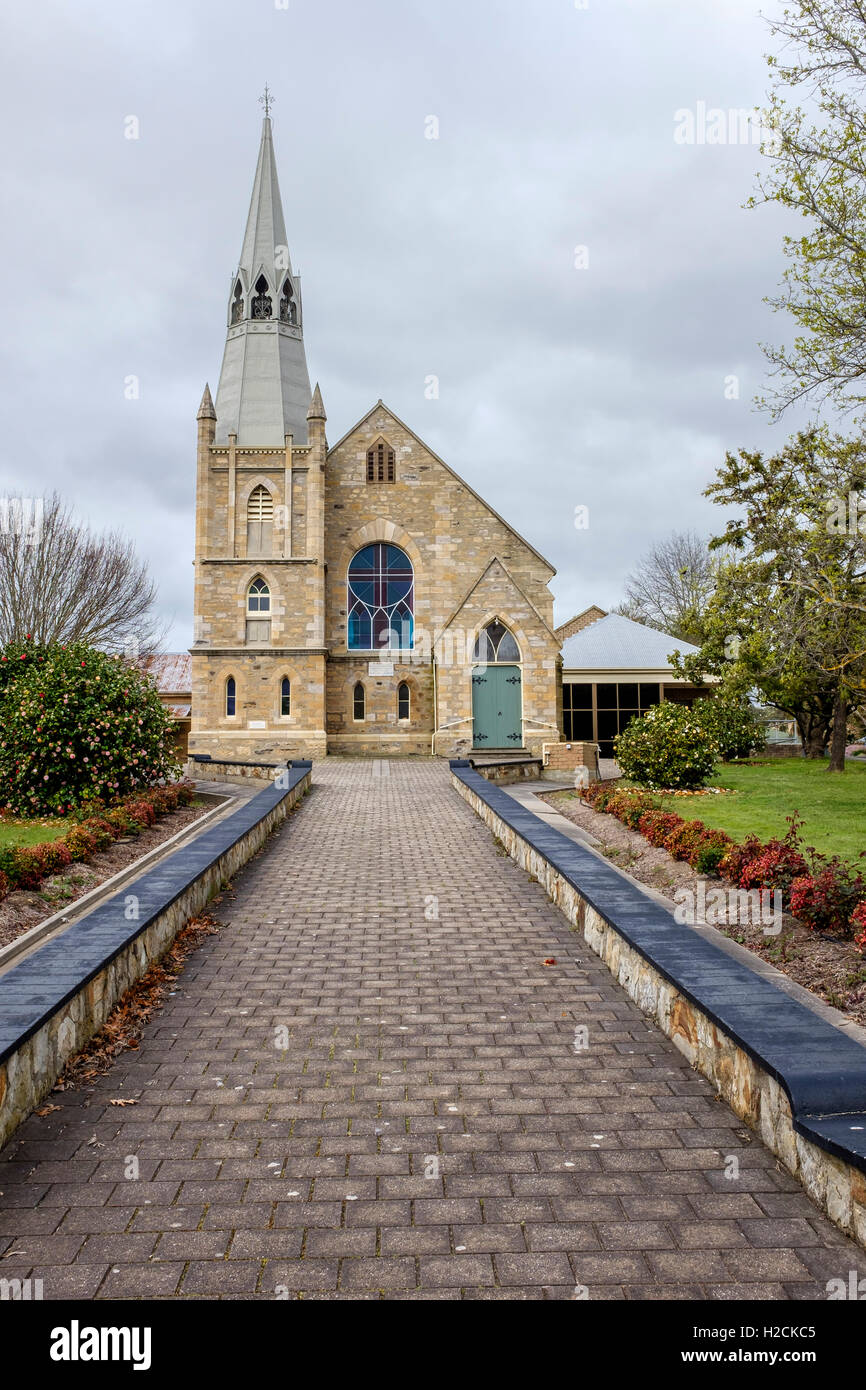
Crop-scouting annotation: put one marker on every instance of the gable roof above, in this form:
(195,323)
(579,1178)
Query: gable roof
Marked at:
(172,672)
(495,560)
(618,643)
(402,423)
(580,620)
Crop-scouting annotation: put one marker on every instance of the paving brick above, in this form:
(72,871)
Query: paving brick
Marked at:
(302,1173)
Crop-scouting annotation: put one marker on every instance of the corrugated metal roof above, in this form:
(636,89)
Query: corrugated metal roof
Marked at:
(172,672)
(616,643)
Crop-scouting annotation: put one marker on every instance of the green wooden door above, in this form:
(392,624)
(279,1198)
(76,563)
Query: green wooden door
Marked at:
(497,707)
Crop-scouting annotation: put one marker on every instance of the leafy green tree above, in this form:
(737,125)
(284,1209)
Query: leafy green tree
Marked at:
(817,153)
(732,723)
(77,724)
(795,589)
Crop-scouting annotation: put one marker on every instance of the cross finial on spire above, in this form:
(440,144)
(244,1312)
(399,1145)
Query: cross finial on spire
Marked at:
(266,100)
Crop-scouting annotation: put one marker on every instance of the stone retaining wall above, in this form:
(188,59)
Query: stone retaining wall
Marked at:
(52,1002)
(821,1145)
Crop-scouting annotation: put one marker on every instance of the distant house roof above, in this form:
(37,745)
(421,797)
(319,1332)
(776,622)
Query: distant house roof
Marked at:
(172,672)
(616,643)
(579,621)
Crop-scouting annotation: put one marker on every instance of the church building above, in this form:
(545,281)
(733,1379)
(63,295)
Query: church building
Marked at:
(353,598)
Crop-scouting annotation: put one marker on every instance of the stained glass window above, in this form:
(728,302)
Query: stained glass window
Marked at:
(403,701)
(230,696)
(381,600)
(358,702)
(285,696)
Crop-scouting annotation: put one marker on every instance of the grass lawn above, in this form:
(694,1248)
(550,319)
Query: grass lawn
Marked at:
(833,806)
(31,832)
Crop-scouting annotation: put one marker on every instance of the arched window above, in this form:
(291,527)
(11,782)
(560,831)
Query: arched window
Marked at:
(258,609)
(288,307)
(285,696)
(359,702)
(238,304)
(380,463)
(260,522)
(403,701)
(495,643)
(381,599)
(230,697)
(262,308)
(258,596)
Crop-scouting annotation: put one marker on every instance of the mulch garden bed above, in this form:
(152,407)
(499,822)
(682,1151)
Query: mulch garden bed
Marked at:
(833,969)
(24,909)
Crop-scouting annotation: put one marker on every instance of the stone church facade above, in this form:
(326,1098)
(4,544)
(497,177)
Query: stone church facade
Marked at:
(358,598)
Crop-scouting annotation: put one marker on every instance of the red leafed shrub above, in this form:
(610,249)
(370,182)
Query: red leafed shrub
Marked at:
(776,867)
(141,811)
(121,821)
(26,866)
(656,826)
(80,842)
(31,866)
(683,842)
(629,806)
(828,899)
(772,865)
(102,831)
(57,856)
(738,856)
(597,795)
(858,922)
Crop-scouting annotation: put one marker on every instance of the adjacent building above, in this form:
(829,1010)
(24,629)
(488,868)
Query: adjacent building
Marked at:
(612,669)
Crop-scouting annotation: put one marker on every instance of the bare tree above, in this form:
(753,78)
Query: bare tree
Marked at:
(670,586)
(60,582)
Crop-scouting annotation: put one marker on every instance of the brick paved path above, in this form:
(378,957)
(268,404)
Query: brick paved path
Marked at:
(413,1044)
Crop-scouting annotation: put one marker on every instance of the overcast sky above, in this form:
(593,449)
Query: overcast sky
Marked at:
(601,385)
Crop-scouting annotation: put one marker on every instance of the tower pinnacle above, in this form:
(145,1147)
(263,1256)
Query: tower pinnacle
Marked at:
(264,386)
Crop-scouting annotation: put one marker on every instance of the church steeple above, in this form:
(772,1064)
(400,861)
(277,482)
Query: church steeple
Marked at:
(264,386)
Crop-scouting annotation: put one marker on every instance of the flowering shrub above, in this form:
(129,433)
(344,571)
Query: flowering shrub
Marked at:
(858,924)
(77,724)
(666,747)
(25,866)
(732,725)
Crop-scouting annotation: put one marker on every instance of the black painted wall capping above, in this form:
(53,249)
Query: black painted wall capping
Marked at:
(822,1071)
(34,989)
(232,762)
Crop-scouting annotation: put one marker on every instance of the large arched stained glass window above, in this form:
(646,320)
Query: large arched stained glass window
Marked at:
(381,599)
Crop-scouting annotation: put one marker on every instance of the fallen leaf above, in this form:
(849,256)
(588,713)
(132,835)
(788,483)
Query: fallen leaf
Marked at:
(46,1109)
(550,960)
(123,1102)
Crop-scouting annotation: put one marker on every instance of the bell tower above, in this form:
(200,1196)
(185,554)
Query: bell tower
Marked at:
(258,655)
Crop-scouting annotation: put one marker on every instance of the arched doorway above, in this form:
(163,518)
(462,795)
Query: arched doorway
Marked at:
(497,689)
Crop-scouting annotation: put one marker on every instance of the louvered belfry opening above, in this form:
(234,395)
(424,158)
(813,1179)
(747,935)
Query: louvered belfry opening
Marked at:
(260,522)
(381,463)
